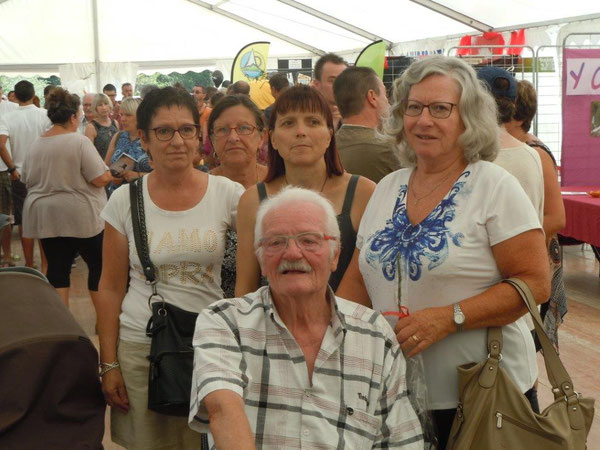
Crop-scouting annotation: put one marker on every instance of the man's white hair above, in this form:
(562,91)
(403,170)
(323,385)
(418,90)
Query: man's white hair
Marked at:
(290,195)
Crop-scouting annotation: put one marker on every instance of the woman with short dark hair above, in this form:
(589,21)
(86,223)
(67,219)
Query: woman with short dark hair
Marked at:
(187,214)
(64,176)
(302,152)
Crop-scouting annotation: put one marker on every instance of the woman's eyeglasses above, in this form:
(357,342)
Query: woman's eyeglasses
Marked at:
(242,130)
(437,110)
(166,133)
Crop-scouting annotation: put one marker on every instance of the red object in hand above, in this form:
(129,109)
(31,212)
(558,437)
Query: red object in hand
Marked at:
(400,314)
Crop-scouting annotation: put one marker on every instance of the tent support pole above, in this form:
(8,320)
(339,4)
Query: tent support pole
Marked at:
(454,15)
(335,21)
(240,19)
(96,43)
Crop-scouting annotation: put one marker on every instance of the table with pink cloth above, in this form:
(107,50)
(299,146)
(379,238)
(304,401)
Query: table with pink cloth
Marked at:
(583,214)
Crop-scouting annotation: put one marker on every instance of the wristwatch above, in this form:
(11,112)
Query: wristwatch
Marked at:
(459,317)
(11,169)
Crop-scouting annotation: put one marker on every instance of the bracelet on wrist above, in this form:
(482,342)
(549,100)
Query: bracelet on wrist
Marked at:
(107,367)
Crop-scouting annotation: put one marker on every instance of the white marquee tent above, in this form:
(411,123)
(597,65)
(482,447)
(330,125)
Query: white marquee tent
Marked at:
(116,38)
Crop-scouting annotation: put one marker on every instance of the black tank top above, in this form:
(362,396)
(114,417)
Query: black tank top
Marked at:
(540,144)
(347,233)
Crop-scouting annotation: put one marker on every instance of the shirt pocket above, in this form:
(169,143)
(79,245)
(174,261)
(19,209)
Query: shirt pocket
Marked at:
(361,427)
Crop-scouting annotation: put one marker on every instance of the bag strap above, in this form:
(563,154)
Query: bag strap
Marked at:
(559,378)
(557,374)
(138,219)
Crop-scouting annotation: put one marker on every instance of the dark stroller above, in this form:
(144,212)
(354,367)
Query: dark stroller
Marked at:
(50,396)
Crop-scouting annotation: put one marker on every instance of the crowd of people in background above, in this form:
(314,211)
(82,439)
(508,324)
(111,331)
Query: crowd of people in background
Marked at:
(421,195)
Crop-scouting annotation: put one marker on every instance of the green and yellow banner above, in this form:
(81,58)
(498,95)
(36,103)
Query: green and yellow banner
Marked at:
(250,65)
(373,56)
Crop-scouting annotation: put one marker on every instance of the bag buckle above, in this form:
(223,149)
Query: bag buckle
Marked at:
(574,394)
(499,356)
(162,311)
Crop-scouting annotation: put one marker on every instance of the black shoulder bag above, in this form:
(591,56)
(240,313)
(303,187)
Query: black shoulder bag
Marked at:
(170,328)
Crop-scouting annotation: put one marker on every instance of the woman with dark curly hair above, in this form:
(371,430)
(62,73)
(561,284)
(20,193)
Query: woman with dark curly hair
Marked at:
(64,176)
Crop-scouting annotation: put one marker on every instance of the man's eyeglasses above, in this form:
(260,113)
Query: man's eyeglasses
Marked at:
(166,133)
(242,130)
(308,242)
(438,110)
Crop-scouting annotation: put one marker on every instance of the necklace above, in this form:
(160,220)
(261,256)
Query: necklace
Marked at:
(418,199)
(322,186)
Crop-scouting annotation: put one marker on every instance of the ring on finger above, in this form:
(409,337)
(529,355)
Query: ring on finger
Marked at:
(415,338)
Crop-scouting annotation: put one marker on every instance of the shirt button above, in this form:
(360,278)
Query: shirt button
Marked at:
(305,432)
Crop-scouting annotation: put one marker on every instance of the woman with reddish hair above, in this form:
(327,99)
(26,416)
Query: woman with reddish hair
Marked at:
(302,153)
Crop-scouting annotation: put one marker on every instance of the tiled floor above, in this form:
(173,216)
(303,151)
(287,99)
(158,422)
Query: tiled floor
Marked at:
(579,335)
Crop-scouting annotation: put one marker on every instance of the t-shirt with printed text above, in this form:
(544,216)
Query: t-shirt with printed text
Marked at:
(186,247)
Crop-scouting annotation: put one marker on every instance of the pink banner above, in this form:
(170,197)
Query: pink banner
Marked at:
(581,117)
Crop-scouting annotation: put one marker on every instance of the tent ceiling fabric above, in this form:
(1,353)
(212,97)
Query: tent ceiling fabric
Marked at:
(508,13)
(182,31)
(39,42)
(61,31)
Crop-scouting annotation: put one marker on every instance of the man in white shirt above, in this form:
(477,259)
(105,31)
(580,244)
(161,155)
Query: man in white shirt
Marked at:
(5,191)
(21,128)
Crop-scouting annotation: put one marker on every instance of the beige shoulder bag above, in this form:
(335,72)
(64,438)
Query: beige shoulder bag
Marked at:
(493,414)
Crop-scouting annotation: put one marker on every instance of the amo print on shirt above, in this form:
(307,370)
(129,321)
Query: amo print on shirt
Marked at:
(182,242)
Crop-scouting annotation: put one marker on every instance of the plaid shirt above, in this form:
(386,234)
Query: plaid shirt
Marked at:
(357,399)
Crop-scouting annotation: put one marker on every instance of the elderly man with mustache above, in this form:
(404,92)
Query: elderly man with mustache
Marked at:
(291,365)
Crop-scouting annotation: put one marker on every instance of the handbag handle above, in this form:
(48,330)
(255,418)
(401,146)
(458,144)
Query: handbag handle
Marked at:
(138,219)
(562,385)
(557,374)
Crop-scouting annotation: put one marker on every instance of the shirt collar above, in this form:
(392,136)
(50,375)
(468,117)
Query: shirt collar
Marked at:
(337,322)
(346,125)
